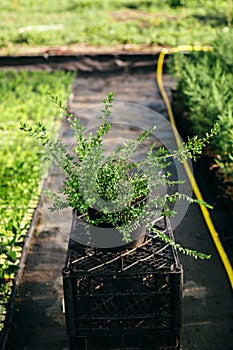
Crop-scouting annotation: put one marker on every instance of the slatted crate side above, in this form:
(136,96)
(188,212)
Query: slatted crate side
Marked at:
(119,307)
(135,313)
(131,295)
(153,254)
(144,259)
(125,282)
(158,341)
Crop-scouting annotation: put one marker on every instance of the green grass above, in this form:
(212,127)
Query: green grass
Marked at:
(28,23)
(23,98)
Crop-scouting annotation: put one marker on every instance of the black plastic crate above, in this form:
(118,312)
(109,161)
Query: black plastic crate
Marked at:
(123,300)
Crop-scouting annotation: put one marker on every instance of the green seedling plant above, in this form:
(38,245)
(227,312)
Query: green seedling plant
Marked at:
(111,182)
(205,92)
(23,97)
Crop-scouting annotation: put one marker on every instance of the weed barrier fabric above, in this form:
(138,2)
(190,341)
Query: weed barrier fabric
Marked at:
(84,63)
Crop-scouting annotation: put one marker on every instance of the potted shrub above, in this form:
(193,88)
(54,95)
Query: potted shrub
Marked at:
(117,295)
(109,193)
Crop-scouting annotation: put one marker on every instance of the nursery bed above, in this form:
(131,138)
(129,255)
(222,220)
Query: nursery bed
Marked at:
(39,322)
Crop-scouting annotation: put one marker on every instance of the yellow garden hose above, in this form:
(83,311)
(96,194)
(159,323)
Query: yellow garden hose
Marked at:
(204,210)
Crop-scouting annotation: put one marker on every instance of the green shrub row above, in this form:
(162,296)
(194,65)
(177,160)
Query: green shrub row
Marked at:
(23,97)
(205,91)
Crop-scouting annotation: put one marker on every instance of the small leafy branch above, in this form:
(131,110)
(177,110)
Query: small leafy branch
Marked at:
(112,184)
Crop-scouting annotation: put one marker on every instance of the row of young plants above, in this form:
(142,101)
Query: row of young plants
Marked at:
(27,23)
(204,94)
(23,97)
